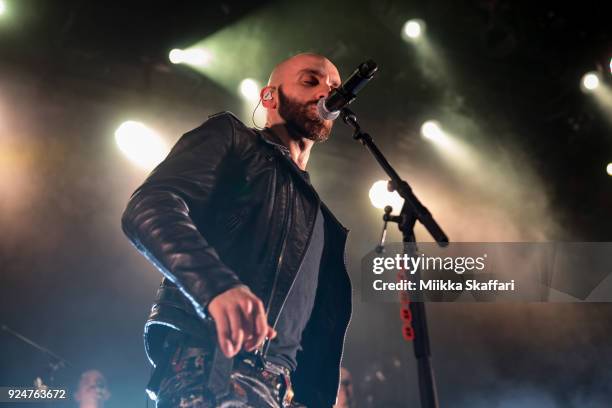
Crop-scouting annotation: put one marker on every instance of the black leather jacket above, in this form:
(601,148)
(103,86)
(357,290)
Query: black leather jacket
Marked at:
(225,208)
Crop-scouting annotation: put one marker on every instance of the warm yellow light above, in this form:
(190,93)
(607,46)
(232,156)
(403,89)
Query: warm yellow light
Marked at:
(249,88)
(609,169)
(140,144)
(380,197)
(431,130)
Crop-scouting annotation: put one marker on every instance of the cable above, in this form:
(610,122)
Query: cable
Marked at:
(253,116)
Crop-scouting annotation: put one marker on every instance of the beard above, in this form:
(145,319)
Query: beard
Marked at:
(303,119)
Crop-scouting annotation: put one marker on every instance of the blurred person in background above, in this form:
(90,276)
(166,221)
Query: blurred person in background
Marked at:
(92,391)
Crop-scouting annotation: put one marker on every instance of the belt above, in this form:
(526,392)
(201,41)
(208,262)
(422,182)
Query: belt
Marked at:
(276,376)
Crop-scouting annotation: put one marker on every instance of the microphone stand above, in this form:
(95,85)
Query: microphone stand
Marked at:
(412,210)
(55,362)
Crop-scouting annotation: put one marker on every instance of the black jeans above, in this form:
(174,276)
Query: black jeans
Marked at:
(183,384)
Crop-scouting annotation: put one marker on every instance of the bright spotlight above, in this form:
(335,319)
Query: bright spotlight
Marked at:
(590,81)
(381,197)
(431,130)
(176,56)
(249,89)
(2,7)
(140,144)
(194,56)
(609,169)
(413,29)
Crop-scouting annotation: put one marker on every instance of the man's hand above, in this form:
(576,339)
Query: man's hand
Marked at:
(240,319)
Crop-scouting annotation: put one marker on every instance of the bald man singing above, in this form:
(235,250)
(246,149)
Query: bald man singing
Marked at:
(255,298)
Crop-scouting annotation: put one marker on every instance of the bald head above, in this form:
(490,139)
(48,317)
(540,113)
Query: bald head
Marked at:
(294,88)
(288,68)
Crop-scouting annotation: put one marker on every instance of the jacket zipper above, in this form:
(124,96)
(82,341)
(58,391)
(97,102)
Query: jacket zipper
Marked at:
(350,312)
(298,270)
(287,217)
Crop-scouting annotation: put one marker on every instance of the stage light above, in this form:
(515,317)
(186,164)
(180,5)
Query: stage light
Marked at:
(431,130)
(249,89)
(610,65)
(2,7)
(609,169)
(590,81)
(140,144)
(413,29)
(176,56)
(380,197)
(198,57)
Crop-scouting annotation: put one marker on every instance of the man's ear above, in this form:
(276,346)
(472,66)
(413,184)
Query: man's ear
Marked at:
(267,97)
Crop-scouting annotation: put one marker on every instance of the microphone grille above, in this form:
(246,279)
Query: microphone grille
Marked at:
(324,113)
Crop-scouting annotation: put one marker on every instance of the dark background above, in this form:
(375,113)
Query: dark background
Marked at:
(502,76)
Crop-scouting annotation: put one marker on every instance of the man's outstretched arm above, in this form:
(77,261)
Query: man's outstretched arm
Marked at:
(158,222)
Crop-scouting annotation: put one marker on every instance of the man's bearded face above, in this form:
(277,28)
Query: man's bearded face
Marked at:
(303,118)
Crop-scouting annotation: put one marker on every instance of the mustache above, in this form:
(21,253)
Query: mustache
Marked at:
(306,111)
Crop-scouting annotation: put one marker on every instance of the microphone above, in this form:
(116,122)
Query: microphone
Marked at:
(329,108)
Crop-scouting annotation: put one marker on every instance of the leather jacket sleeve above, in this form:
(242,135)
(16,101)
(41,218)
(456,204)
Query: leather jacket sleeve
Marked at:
(158,219)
